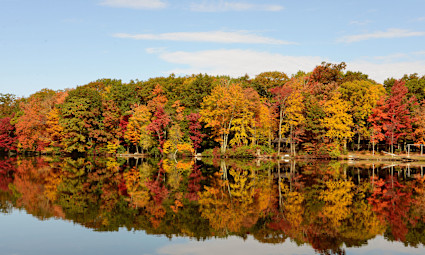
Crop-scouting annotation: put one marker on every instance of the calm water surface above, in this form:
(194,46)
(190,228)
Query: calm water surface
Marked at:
(110,206)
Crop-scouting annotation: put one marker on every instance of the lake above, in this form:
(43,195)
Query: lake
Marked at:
(100,205)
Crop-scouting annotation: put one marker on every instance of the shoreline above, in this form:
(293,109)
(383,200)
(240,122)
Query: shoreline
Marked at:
(404,158)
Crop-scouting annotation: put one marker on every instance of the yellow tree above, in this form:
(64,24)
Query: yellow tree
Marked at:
(54,129)
(338,121)
(137,132)
(263,125)
(244,122)
(175,142)
(362,96)
(219,110)
(231,109)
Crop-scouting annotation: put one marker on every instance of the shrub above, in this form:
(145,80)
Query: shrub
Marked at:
(334,150)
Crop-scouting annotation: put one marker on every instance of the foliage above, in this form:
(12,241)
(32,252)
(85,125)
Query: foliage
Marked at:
(137,128)
(320,112)
(82,120)
(7,134)
(195,133)
(8,105)
(391,118)
(338,122)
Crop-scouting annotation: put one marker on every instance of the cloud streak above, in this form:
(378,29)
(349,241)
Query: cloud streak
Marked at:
(237,62)
(390,33)
(212,36)
(224,6)
(135,4)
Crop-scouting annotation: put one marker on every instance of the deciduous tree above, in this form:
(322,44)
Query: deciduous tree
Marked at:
(220,109)
(362,96)
(7,134)
(338,122)
(391,118)
(195,134)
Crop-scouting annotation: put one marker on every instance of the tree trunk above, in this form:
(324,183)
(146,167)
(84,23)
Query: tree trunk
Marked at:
(358,142)
(345,144)
(292,142)
(280,131)
(392,143)
(224,144)
(270,140)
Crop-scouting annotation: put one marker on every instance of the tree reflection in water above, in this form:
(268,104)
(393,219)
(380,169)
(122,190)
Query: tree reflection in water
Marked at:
(329,205)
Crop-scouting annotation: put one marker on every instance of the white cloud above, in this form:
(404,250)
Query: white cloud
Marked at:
(135,4)
(222,6)
(394,65)
(390,33)
(381,71)
(155,50)
(391,57)
(237,62)
(212,36)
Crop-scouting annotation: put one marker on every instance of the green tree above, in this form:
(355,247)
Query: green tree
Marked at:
(8,105)
(82,120)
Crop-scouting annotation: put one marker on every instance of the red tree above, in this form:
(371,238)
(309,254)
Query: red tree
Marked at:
(7,134)
(391,118)
(158,126)
(196,135)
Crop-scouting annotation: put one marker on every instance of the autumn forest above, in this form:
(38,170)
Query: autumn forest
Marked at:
(323,113)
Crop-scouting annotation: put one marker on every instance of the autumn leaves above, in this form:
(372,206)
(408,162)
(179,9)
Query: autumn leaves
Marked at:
(323,113)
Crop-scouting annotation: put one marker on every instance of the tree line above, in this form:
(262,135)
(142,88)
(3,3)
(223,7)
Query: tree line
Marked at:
(324,113)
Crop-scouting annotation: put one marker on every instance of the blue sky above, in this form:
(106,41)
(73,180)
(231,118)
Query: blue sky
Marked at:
(60,44)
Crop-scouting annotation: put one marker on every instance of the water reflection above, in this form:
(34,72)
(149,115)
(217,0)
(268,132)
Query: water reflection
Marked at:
(327,205)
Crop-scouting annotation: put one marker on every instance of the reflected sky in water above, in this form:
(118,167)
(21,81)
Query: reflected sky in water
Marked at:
(22,234)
